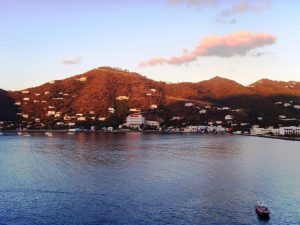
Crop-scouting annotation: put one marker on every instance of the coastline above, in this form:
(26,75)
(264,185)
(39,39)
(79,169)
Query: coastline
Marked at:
(155,132)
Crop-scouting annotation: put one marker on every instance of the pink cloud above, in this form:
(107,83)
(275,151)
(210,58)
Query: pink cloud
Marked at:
(245,6)
(239,43)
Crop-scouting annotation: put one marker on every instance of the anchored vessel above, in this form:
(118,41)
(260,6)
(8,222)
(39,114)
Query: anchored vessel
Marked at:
(262,210)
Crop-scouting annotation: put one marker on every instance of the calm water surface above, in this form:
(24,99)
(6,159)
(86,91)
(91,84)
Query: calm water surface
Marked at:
(138,178)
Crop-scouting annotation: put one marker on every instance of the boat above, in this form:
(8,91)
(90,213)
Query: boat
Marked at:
(49,133)
(262,209)
(20,131)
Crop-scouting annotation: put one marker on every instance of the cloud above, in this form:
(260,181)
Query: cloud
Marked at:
(73,61)
(239,43)
(228,8)
(245,6)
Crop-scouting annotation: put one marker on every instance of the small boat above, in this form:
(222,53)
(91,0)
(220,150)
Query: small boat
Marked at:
(20,131)
(49,134)
(262,210)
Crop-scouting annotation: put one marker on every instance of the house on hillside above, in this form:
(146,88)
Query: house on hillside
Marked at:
(134,110)
(25,116)
(111,110)
(122,97)
(81,118)
(282,116)
(51,113)
(153,106)
(296,106)
(228,117)
(25,92)
(188,104)
(202,111)
(82,79)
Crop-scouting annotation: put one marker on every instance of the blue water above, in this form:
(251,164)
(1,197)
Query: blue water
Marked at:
(139,178)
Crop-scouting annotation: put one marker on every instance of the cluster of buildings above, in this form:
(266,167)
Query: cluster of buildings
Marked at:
(281,131)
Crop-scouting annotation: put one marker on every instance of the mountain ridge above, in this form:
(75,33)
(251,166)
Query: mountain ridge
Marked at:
(98,90)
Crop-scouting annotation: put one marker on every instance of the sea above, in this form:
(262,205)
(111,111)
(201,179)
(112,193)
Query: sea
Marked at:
(141,178)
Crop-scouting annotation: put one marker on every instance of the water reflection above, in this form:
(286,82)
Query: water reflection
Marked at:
(134,178)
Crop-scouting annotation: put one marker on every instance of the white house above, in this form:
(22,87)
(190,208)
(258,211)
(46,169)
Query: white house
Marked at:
(134,110)
(102,118)
(122,97)
(287,104)
(111,110)
(81,118)
(296,106)
(188,104)
(153,106)
(153,90)
(134,120)
(17,103)
(176,118)
(37,94)
(51,113)
(82,79)
(282,117)
(52,82)
(25,116)
(25,92)
(148,94)
(26,99)
(228,117)
(202,111)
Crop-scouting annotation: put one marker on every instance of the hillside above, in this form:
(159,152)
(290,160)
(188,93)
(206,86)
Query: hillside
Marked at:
(266,87)
(101,92)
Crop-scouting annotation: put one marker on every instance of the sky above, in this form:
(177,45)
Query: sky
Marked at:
(168,40)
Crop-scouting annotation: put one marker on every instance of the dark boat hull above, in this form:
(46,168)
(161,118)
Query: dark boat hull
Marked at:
(262,214)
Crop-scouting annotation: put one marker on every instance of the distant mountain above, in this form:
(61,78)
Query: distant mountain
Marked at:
(98,90)
(218,88)
(266,87)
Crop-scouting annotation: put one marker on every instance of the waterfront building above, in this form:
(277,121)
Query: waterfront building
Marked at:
(135,120)
(289,131)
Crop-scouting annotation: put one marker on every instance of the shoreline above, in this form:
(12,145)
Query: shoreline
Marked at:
(155,132)
(276,137)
